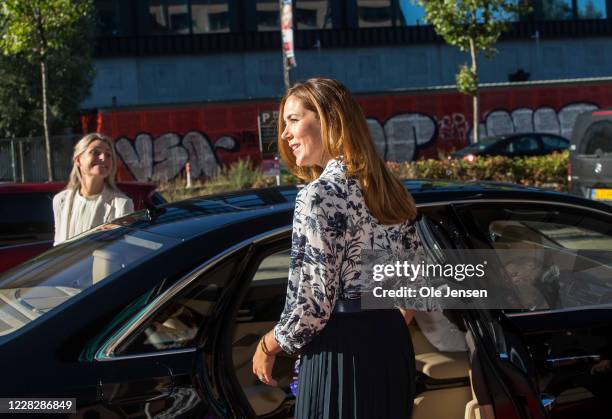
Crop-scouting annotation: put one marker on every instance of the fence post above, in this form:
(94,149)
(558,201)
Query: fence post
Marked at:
(13,161)
(21,165)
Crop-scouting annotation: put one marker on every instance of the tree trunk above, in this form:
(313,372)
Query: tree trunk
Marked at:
(476,97)
(43,76)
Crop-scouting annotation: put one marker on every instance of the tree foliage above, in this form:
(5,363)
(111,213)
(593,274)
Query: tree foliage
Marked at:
(54,36)
(70,79)
(463,23)
(33,27)
(459,21)
(473,26)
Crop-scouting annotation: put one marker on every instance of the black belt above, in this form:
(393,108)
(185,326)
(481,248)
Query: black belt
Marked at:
(348,306)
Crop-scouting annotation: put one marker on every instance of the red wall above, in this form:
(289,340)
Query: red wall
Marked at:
(406,126)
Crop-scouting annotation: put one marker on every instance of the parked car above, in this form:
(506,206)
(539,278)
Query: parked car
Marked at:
(590,170)
(517,145)
(159,314)
(26,223)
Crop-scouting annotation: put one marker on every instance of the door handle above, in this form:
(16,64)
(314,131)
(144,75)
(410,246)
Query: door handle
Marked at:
(572,360)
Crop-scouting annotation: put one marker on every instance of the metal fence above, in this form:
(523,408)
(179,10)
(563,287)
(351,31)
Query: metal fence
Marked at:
(24,160)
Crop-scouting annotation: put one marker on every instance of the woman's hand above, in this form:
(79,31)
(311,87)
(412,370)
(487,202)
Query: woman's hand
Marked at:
(263,363)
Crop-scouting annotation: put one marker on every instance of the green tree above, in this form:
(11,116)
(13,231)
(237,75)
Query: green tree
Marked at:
(44,33)
(70,75)
(473,26)
(16,101)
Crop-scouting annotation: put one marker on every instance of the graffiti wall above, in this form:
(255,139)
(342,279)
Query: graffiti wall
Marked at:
(155,144)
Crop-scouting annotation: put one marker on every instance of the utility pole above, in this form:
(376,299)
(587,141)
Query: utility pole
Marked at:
(286,24)
(286,70)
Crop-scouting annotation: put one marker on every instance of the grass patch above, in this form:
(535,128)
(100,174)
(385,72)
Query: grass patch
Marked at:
(239,175)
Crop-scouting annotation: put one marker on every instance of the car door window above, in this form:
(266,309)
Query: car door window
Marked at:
(522,145)
(554,143)
(41,285)
(175,324)
(579,272)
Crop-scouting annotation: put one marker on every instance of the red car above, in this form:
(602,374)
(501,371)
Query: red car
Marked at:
(26,216)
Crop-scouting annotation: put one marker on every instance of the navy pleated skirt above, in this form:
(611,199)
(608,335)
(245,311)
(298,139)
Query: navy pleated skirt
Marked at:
(361,365)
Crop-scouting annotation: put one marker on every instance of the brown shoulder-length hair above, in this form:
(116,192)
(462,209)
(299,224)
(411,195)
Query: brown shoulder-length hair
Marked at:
(344,132)
(74,180)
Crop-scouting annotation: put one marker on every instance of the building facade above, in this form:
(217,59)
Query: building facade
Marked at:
(169,56)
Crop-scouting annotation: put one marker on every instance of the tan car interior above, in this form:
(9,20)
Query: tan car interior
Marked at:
(454,401)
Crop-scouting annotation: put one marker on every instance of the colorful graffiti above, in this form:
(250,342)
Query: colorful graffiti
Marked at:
(453,126)
(155,144)
(163,158)
(401,135)
(542,119)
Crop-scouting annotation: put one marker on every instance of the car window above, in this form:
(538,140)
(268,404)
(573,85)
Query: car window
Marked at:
(482,144)
(522,145)
(175,325)
(274,267)
(554,143)
(567,258)
(42,284)
(597,139)
(26,218)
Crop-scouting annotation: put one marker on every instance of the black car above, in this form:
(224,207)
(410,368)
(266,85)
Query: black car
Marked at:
(590,170)
(517,145)
(159,314)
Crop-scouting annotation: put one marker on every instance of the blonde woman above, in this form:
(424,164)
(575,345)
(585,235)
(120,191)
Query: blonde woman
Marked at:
(354,363)
(91,197)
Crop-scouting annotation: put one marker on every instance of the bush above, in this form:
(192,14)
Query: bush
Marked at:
(543,171)
(548,171)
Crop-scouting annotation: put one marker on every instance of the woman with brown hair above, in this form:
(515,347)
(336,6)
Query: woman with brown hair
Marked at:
(354,363)
(91,197)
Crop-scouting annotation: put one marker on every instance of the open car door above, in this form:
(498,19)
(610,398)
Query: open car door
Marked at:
(558,354)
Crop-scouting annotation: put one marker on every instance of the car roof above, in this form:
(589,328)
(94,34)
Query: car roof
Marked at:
(197,216)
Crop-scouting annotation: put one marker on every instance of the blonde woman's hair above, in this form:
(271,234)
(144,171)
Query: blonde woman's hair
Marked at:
(344,132)
(74,181)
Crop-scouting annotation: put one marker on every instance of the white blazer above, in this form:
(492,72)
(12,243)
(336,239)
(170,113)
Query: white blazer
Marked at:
(113,205)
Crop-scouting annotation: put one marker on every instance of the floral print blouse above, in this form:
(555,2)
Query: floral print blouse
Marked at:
(331,226)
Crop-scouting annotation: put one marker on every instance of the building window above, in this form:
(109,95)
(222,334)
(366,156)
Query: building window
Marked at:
(113,18)
(572,9)
(107,13)
(267,15)
(210,16)
(591,9)
(169,17)
(410,14)
(313,14)
(374,13)
(557,10)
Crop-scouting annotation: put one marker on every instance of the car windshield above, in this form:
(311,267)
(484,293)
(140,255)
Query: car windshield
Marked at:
(483,143)
(42,284)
